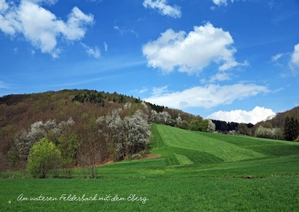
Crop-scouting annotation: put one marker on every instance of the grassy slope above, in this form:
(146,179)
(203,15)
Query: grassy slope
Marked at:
(185,178)
(187,153)
(187,140)
(218,155)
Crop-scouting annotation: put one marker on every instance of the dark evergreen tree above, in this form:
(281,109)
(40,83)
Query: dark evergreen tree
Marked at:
(287,127)
(291,129)
(296,129)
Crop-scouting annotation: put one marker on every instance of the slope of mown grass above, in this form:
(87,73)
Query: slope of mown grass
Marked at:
(183,139)
(170,152)
(182,162)
(269,147)
(262,158)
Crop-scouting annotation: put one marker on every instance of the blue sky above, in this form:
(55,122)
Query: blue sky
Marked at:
(234,60)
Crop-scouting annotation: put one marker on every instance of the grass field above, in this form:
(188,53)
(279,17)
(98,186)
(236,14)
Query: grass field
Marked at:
(196,172)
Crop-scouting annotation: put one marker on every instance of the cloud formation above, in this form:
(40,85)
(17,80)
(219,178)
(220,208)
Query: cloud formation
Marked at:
(122,32)
(295,57)
(3,85)
(191,52)
(256,115)
(222,2)
(276,57)
(41,27)
(163,8)
(220,77)
(3,5)
(207,96)
(105,46)
(95,52)
(49,2)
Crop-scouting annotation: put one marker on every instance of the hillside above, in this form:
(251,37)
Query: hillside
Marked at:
(78,115)
(279,120)
(284,125)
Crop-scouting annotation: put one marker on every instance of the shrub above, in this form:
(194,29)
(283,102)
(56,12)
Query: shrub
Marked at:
(184,125)
(43,157)
(194,125)
(203,125)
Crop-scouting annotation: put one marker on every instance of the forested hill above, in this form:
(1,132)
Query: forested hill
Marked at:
(284,126)
(82,124)
(279,119)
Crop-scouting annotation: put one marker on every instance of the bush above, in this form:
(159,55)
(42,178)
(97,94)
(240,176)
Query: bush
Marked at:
(184,125)
(194,125)
(203,125)
(43,157)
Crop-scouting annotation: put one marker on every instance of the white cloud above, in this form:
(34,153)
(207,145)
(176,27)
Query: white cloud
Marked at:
(295,56)
(105,46)
(205,96)
(75,29)
(3,85)
(276,57)
(9,23)
(95,52)
(193,51)
(256,115)
(159,91)
(220,2)
(3,5)
(49,2)
(163,8)
(220,77)
(143,90)
(117,29)
(41,27)
(125,31)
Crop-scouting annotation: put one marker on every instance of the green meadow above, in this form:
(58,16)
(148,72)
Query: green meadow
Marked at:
(187,171)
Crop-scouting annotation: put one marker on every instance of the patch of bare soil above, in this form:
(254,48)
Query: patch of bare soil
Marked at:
(152,156)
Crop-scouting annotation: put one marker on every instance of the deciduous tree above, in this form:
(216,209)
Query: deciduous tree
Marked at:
(69,146)
(183,125)
(43,157)
(194,125)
